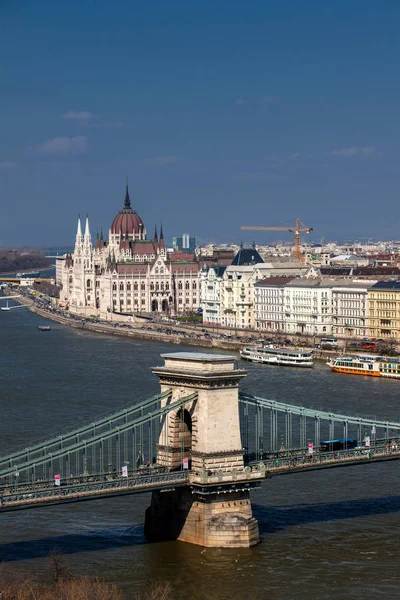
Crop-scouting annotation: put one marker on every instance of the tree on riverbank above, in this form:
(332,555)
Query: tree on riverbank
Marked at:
(60,584)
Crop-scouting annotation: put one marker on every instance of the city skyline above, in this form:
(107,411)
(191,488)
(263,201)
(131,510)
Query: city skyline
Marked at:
(220,119)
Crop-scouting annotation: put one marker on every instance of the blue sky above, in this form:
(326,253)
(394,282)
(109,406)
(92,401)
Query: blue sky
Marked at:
(221,114)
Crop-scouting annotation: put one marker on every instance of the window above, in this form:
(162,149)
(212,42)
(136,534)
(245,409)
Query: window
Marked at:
(180,285)
(128,287)
(135,286)
(121,286)
(114,287)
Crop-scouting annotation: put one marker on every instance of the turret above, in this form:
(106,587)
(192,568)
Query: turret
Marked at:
(161,244)
(87,239)
(78,238)
(127,202)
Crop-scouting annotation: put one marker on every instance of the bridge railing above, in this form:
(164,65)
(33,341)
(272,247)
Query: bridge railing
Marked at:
(269,426)
(113,448)
(86,489)
(72,437)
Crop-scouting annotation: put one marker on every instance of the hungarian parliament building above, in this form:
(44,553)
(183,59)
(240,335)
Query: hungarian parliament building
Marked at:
(128,274)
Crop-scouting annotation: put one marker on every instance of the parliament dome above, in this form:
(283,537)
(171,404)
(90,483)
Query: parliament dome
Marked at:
(127,221)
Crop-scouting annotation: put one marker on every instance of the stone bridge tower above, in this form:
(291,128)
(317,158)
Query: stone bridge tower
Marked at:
(215,509)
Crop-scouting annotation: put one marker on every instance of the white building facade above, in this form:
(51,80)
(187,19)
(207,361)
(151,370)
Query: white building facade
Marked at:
(312,307)
(269,301)
(308,307)
(210,294)
(350,308)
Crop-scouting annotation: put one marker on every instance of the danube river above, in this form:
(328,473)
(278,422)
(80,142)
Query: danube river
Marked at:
(325,535)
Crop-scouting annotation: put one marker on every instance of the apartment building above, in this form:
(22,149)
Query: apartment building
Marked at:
(384,310)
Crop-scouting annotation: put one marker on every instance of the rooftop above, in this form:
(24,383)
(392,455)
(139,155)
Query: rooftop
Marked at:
(246,257)
(387,285)
(203,356)
(271,281)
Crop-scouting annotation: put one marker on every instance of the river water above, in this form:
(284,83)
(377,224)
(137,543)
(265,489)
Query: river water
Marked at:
(330,534)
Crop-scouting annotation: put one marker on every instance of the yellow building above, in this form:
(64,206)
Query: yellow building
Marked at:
(384,310)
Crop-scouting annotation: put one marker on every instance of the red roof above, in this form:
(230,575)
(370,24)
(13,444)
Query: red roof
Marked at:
(183,267)
(273,281)
(181,256)
(131,269)
(144,247)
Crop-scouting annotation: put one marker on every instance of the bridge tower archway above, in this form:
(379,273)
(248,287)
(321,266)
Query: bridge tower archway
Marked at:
(181,427)
(185,428)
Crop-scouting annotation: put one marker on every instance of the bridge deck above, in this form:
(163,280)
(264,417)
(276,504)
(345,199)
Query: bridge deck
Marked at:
(92,487)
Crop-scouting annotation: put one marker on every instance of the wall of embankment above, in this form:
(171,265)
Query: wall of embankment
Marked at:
(153,336)
(132,333)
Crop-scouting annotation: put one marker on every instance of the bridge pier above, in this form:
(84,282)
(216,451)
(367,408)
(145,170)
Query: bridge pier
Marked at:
(215,509)
(218,520)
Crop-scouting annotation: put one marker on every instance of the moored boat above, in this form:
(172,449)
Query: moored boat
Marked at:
(44,327)
(28,274)
(372,365)
(272,355)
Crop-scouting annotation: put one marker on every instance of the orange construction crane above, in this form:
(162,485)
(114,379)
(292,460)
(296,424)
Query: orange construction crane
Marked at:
(299,228)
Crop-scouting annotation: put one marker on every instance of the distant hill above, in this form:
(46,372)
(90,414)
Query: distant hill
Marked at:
(22,260)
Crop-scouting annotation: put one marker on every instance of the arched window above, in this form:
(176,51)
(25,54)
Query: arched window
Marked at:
(121,286)
(143,287)
(70,279)
(135,287)
(162,285)
(167,286)
(194,285)
(157,271)
(152,286)
(187,285)
(128,286)
(157,286)
(114,287)
(180,285)
(162,271)
(88,283)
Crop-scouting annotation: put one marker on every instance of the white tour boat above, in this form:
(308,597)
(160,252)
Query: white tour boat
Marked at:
(272,355)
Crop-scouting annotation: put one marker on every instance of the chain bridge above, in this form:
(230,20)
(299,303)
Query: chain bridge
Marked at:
(200,446)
